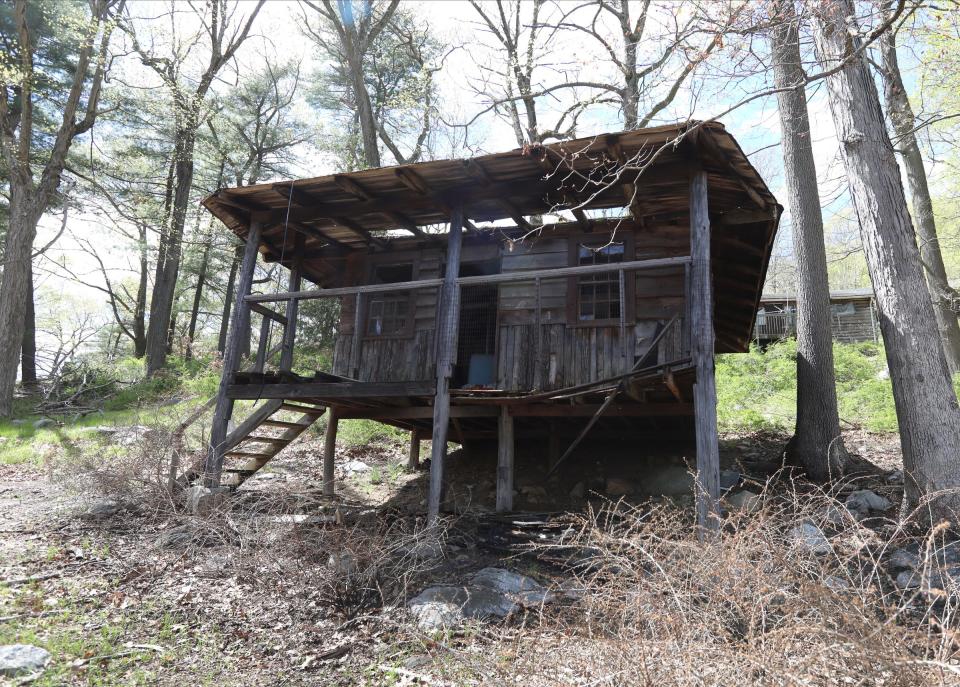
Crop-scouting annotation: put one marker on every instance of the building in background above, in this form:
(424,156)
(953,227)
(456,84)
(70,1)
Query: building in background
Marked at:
(853,317)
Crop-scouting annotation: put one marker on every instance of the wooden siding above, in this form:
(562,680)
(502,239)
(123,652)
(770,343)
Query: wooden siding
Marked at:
(570,352)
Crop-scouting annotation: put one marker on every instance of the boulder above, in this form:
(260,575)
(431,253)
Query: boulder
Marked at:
(40,424)
(729,479)
(492,592)
(895,477)
(902,559)
(809,537)
(104,508)
(617,486)
(352,467)
(745,501)
(19,659)
(866,501)
(204,500)
(535,495)
(177,537)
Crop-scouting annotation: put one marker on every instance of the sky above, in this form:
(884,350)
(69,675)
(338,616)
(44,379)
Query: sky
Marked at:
(278,33)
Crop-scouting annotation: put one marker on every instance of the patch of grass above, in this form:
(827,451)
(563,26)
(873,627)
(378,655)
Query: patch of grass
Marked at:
(758,390)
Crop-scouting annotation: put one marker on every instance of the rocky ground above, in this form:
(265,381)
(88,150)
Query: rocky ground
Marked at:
(281,586)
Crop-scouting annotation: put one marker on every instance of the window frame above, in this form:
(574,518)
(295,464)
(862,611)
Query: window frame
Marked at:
(400,258)
(573,282)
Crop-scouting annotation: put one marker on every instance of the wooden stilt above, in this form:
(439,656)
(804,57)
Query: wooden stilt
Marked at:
(505,448)
(239,328)
(330,451)
(413,455)
(449,316)
(702,345)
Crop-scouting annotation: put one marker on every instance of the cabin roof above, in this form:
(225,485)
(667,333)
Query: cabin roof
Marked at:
(644,172)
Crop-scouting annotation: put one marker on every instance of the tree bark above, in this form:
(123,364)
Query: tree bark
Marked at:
(139,324)
(198,297)
(926,404)
(816,443)
(168,269)
(354,46)
(14,291)
(228,298)
(903,121)
(28,348)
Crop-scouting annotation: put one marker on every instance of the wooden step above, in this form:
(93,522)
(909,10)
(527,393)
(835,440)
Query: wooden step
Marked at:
(247,454)
(283,423)
(269,440)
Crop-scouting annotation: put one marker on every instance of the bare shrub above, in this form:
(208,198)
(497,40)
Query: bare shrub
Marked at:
(343,570)
(757,604)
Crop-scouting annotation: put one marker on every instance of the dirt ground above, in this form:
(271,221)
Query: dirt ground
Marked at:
(239,598)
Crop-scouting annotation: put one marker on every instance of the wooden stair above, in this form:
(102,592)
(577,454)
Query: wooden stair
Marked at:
(259,438)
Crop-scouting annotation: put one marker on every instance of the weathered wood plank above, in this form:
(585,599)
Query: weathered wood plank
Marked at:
(329,451)
(448,320)
(329,390)
(701,327)
(505,450)
(413,452)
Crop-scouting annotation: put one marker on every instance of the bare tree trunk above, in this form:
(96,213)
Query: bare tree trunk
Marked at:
(228,298)
(354,48)
(927,410)
(28,348)
(165,284)
(816,444)
(14,291)
(139,324)
(198,297)
(903,120)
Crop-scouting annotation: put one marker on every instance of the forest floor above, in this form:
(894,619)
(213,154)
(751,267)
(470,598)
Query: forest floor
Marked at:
(280,586)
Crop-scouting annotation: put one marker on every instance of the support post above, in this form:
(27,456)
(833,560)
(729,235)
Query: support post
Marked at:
(261,360)
(239,327)
(448,320)
(330,451)
(293,310)
(413,455)
(538,356)
(702,345)
(505,448)
(355,348)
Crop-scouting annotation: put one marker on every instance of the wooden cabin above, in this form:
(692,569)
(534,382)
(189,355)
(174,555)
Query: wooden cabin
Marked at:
(853,317)
(585,284)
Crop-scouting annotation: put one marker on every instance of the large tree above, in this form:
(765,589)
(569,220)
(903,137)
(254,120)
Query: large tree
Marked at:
(904,125)
(222,31)
(926,403)
(378,80)
(816,444)
(55,60)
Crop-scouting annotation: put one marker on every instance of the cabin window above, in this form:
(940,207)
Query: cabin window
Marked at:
(390,313)
(595,299)
(840,309)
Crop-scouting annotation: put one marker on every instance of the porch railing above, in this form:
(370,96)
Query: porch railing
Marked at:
(537,279)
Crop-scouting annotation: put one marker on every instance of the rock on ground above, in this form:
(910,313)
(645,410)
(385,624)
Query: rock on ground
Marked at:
(865,501)
(811,538)
(354,466)
(745,500)
(492,592)
(17,659)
